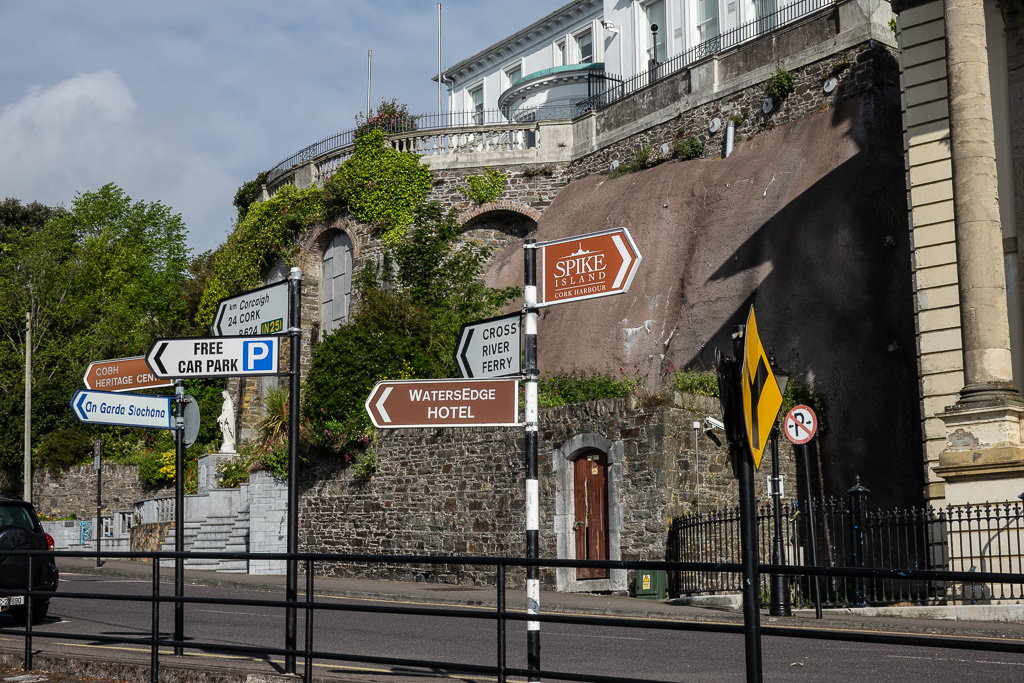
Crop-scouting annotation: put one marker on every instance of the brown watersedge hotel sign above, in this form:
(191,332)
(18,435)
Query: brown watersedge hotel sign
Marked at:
(444,403)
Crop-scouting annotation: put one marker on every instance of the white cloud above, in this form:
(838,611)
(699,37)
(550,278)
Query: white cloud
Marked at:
(86,131)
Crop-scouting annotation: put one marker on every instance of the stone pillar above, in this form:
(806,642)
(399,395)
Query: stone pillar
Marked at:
(988,370)
(984,451)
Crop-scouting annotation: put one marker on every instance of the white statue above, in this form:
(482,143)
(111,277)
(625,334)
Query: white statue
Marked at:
(226,421)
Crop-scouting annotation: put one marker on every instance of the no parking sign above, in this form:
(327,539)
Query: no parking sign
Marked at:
(801,423)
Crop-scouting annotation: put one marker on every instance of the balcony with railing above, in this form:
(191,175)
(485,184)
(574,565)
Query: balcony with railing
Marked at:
(524,134)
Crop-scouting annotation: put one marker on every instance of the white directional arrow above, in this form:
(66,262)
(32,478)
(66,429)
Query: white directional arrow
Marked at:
(380,404)
(627,261)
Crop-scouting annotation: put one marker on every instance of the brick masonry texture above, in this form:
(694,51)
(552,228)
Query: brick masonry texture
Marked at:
(74,491)
(857,71)
(460,491)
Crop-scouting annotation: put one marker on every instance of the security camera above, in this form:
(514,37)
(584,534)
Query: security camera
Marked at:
(610,27)
(712,423)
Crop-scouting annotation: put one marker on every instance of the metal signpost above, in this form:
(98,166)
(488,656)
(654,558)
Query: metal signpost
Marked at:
(122,374)
(586,266)
(195,357)
(801,424)
(751,399)
(490,348)
(259,311)
(444,403)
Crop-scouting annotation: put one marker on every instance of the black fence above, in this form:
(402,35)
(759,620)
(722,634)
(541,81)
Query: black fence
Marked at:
(965,538)
(300,647)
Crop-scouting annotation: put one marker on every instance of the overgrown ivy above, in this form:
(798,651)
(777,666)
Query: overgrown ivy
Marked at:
(379,186)
(485,188)
(265,235)
(248,193)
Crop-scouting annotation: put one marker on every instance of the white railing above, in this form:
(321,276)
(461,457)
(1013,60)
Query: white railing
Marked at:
(153,510)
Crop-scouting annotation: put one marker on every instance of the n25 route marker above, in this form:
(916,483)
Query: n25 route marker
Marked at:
(128,410)
(490,348)
(189,357)
(444,403)
(586,266)
(121,374)
(259,311)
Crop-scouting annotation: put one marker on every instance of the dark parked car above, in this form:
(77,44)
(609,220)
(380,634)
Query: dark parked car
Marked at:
(20,530)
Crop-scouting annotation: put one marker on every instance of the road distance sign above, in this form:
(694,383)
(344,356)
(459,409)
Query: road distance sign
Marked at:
(187,357)
(121,374)
(586,266)
(801,424)
(259,311)
(128,410)
(444,403)
(490,348)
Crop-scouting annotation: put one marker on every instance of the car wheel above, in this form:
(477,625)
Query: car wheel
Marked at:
(40,608)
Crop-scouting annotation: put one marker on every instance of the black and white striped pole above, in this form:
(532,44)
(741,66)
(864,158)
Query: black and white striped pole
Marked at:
(532,488)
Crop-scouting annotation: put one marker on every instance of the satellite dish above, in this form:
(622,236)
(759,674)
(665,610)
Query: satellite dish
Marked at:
(830,84)
(767,106)
(614,165)
(715,124)
(191,420)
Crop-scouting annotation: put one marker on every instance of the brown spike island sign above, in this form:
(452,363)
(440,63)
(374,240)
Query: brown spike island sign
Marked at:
(122,374)
(444,403)
(586,266)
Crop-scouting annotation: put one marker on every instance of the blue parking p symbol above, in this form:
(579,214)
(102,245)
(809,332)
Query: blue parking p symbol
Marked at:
(256,356)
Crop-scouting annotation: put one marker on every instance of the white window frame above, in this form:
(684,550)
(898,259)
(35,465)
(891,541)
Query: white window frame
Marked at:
(560,52)
(476,116)
(508,70)
(578,57)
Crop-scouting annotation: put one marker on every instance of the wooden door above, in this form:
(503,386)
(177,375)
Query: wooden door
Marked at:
(591,503)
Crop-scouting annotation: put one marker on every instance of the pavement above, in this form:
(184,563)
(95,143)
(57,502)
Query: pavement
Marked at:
(979,621)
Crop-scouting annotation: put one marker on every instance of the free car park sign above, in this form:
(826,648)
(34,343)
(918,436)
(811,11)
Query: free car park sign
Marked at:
(444,403)
(188,357)
(586,266)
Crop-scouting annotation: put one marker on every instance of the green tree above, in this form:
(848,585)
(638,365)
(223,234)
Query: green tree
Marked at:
(409,315)
(100,281)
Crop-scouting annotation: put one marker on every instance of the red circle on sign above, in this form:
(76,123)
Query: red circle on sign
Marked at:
(801,424)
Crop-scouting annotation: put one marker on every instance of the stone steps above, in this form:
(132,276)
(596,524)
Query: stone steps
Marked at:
(238,542)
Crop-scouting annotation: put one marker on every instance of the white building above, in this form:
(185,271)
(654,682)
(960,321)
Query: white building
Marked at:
(588,46)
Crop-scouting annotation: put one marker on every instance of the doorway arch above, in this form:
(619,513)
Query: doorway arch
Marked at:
(577,458)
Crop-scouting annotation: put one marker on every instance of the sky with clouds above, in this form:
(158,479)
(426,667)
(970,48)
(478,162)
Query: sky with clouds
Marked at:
(182,102)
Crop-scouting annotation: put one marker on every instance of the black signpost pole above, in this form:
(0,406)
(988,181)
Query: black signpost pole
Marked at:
(179,514)
(532,487)
(810,526)
(97,447)
(295,336)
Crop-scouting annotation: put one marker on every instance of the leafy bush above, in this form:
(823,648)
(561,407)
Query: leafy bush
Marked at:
(247,194)
(232,473)
(780,84)
(157,468)
(578,386)
(696,382)
(58,451)
(380,186)
(389,117)
(688,147)
(485,188)
(648,156)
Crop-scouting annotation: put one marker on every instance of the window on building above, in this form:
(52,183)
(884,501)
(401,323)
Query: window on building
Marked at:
(707,20)
(514,74)
(654,14)
(585,47)
(335,283)
(560,55)
(476,98)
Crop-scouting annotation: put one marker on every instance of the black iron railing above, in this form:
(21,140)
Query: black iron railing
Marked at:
(965,538)
(308,648)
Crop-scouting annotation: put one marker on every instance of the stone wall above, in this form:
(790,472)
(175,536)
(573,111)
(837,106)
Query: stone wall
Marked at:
(857,70)
(460,491)
(74,491)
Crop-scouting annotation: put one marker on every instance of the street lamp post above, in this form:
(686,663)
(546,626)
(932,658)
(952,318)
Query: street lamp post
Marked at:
(779,605)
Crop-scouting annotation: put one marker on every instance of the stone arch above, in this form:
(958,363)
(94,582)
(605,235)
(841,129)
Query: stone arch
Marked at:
(470,216)
(563,459)
(314,248)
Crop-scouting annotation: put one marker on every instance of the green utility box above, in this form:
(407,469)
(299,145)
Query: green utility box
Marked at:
(650,584)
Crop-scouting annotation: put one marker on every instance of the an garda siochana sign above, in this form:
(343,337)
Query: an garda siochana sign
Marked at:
(444,403)
(129,410)
(586,266)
